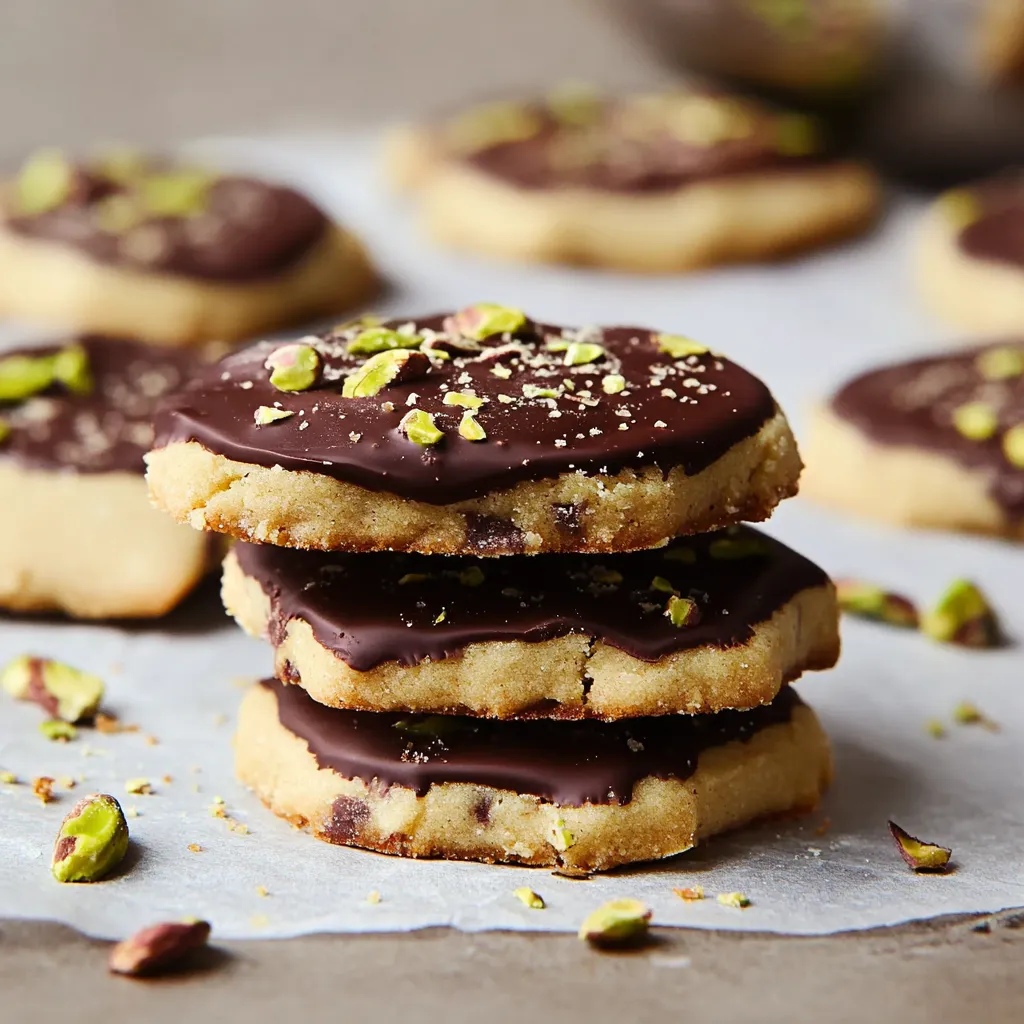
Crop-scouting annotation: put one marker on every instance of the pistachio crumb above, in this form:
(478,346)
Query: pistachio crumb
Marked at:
(529,898)
(42,787)
(733,899)
(691,894)
(262,890)
(373,896)
(194,848)
(138,786)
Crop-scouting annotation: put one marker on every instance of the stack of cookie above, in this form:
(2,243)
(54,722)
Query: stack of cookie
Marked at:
(511,636)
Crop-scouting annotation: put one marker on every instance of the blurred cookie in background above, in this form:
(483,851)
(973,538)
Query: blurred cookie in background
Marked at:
(145,248)
(657,182)
(936,442)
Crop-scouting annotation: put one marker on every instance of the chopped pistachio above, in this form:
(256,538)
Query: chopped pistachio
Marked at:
(55,729)
(42,787)
(366,320)
(966,713)
(115,214)
(935,728)
(5,430)
(975,420)
(472,576)
(556,344)
(413,577)
(613,383)
(574,103)
(960,207)
(59,689)
(120,164)
(419,427)
(579,353)
(610,577)
(871,602)
(491,124)
(428,726)
(484,320)
(392,366)
(1013,445)
(71,368)
(380,339)
(138,786)
(441,617)
(178,193)
(528,898)
(678,347)
(561,837)
(8,778)
(731,548)
(534,391)
(373,896)
(22,376)
(685,555)
(921,856)
(92,841)
(293,367)
(267,414)
(682,611)
(1000,363)
(44,183)
(690,895)
(962,616)
(733,899)
(618,922)
(470,429)
(796,135)
(662,584)
(463,399)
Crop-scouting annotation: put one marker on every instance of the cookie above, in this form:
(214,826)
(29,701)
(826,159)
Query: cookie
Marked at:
(484,433)
(658,183)
(81,536)
(970,257)
(718,621)
(935,442)
(585,796)
(170,254)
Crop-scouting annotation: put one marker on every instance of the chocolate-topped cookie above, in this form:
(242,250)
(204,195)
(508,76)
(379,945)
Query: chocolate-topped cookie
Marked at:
(712,622)
(932,442)
(482,432)
(970,259)
(586,796)
(148,248)
(75,422)
(656,182)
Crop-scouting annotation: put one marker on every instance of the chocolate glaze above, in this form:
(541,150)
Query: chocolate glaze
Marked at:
(684,413)
(109,429)
(566,763)
(912,404)
(358,610)
(248,230)
(624,147)
(998,231)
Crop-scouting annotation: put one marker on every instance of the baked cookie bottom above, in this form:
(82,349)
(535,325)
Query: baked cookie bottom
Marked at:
(573,676)
(625,512)
(897,484)
(92,546)
(55,284)
(985,297)
(741,217)
(783,768)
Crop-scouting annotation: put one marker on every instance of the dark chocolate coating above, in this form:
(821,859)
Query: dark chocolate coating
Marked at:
(359,611)
(912,404)
(108,430)
(249,230)
(715,405)
(998,232)
(566,763)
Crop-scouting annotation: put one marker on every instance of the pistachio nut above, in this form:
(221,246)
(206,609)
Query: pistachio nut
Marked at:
(1013,445)
(162,945)
(463,399)
(617,923)
(734,899)
(484,320)
(663,585)
(976,421)
(690,895)
(381,339)
(579,353)
(730,548)
(796,135)
(5,430)
(682,611)
(681,553)
(419,427)
(267,414)
(71,368)
(963,616)
(491,124)
(293,367)
(1000,363)
(469,427)
(576,104)
(92,840)
(115,214)
(59,689)
(58,731)
(679,347)
(179,193)
(22,376)
(870,602)
(919,855)
(561,838)
(528,898)
(535,391)
(613,383)
(471,576)
(44,183)
(385,368)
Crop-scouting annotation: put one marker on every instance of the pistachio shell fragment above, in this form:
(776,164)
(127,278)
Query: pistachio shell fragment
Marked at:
(678,347)
(976,421)
(153,949)
(579,353)
(470,429)
(44,183)
(962,616)
(484,320)
(419,427)
(528,898)
(463,399)
(267,414)
(293,367)
(1013,445)
(617,923)
(613,383)
(92,840)
(59,689)
(385,368)
(871,602)
(58,731)
(1000,363)
(921,856)
(682,611)
(381,339)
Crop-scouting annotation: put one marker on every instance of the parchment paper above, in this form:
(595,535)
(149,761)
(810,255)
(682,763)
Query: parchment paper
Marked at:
(803,326)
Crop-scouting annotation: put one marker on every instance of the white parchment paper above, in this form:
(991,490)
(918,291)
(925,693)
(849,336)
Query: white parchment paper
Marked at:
(803,326)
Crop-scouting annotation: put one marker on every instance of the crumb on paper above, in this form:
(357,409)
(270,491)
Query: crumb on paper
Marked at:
(262,891)
(8,778)
(259,921)
(691,894)
(734,899)
(131,812)
(373,896)
(152,741)
(139,786)
(935,728)
(42,787)
(109,723)
(966,713)
(195,848)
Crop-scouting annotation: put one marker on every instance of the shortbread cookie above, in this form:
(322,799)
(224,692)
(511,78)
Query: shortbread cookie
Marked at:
(719,621)
(933,442)
(80,534)
(169,254)
(970,259)
(658,183)
(478,433)
(586,796)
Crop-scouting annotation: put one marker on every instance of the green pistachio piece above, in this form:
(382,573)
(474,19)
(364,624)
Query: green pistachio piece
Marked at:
(472,576)
(579,353)
(685,555)
(533,391)
(1013,445)
(434,727)
(734,899)
(617,923)
(921,856)
(59,689)
(5,430)
(870,602)
(1000,363)
(682,611)
(123,165)
(293,367)
(381,339)
(678,347)
(419,427)
(181,193)
(609,577)
(663,585)
(22,376)
(441,617)
(962,616)
(463,399)
(470,429)
(92,840)
(385,368)
(484,320)
(960,207)
(528,898)
(413,577)
(267,414)
(153,949)
(561,837)
(731,548)
(492,124)
(57,731)
(557,345)
(71,368)
(613,383)
(796,135)
(44,183)
(366,320)
(576,104)
(975,420)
